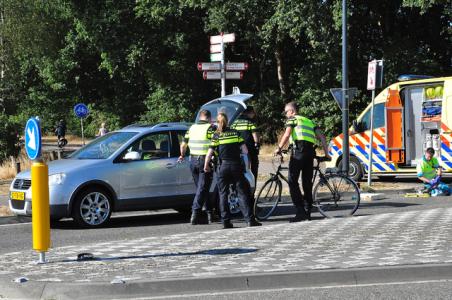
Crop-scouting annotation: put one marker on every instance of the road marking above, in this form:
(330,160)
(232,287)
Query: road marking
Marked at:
(178,296)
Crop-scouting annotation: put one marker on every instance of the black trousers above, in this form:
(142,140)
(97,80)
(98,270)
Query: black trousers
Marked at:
(233,173)
(301,161)
(254,161)
(202,181)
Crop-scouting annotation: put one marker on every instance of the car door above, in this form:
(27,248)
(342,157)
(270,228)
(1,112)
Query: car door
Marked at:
(152,176)
(184,178)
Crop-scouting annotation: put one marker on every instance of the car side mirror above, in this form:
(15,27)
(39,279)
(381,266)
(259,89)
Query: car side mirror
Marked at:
(133,155)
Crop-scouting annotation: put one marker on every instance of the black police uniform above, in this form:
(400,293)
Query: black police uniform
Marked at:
(198,138)
(231,171)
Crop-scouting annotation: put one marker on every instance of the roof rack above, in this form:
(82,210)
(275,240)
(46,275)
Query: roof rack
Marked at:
(408,77)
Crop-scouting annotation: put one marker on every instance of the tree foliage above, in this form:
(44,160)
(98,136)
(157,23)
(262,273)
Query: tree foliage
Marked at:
(135,61)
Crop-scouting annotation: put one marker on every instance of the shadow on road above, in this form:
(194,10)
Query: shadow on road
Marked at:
(225,251)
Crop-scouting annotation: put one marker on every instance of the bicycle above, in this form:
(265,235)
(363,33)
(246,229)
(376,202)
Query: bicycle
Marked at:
(334,194)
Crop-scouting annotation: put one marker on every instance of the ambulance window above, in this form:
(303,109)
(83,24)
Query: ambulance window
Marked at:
(379,117)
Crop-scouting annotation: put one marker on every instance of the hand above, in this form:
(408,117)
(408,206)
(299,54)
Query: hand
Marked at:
(277,151)
(180,159)
(207,169)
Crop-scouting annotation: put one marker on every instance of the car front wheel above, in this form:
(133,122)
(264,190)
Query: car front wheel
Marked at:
(92,208)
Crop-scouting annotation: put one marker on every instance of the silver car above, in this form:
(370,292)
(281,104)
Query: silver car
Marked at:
(134,168)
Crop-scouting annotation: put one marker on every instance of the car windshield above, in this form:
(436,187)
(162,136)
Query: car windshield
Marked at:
(231,108)
(104,146)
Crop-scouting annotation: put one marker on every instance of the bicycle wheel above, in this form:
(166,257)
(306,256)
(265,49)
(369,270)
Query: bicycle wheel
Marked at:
(267,199)
(336,196)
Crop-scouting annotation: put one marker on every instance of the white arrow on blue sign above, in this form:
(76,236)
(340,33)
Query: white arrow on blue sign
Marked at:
(81,110)
(33,139)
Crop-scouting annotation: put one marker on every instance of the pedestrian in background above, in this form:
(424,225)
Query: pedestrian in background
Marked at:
(229,145)
(60,132)
(102,130)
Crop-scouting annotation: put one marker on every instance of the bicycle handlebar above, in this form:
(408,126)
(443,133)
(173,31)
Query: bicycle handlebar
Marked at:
(322,158)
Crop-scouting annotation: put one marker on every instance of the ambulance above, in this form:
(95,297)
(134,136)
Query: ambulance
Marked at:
(409,117)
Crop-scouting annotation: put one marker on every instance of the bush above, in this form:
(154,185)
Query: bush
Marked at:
(91,123)
(9,137)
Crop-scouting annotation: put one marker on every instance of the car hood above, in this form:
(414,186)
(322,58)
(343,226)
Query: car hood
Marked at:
(65,166)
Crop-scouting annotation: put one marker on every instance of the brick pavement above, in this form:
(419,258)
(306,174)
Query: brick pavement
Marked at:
(413,237)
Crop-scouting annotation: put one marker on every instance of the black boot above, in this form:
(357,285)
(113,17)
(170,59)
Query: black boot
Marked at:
(308,214)
(300,216)
(253,222)
(227,224)
(194,220)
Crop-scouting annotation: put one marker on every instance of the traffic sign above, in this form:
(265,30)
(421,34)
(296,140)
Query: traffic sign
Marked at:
(227,38)
(81,110)
(212,66)
(216,48)
(216,57)
(217,75)
(236,66)
(337,95)
(374,74)
(33,139)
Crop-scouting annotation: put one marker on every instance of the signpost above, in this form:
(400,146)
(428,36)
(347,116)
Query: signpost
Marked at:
(81,111)
(39,189)
(217,69)
(374,80)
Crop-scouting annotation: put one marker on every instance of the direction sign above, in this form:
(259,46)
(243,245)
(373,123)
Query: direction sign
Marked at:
(33,139)
(81,110)
(216,57)
(236,66)
(217,75)
(337,95)
(216,48)
(227,38)
(212,66)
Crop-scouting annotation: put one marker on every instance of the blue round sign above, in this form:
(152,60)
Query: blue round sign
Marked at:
(81,110)
(33,138)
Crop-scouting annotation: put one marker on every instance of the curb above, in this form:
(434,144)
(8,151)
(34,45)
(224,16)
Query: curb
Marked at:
(6,220)
(184,286)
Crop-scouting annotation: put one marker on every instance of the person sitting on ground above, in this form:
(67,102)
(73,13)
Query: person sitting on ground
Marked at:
(429,171)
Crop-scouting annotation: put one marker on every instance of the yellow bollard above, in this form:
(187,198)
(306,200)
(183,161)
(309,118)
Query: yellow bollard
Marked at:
(40,208)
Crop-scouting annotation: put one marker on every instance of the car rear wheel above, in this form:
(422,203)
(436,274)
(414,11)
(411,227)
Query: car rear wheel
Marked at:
(92,208)
(355,169)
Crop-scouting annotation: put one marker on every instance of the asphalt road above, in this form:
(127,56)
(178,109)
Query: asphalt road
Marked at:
(125,226)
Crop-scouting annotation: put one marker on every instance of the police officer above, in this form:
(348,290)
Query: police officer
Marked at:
(246,126)
(303,133)
(198,139)
(229,144)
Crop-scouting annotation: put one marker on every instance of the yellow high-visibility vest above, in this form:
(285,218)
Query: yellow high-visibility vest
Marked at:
(199,138)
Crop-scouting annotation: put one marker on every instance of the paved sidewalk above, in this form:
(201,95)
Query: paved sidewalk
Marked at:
(414,237)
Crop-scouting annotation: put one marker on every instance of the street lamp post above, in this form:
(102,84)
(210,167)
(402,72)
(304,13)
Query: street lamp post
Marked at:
(345,93)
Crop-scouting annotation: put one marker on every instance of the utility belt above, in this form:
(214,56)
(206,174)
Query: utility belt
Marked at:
(301,146)
(197,157)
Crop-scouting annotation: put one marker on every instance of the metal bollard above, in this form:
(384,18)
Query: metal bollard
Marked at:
(40,208)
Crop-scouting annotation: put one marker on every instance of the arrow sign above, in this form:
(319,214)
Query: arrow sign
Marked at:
(217,75)
(237,66)
(33,139)
(205,66)
(337,95)
(227,38)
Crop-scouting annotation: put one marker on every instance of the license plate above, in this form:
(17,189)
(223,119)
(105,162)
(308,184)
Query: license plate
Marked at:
(17,196)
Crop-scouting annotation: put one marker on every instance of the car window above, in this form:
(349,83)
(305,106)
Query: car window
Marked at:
(152,146)
(230,108)
(104,146)
(379,117)
(180,135)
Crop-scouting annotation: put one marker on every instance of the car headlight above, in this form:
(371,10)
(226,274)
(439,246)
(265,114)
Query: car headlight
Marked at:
(57,179)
